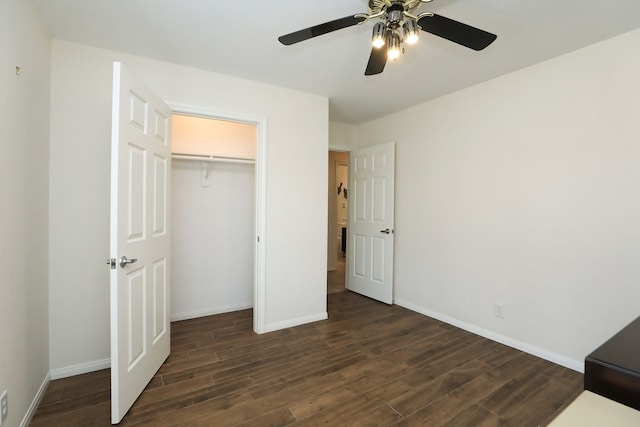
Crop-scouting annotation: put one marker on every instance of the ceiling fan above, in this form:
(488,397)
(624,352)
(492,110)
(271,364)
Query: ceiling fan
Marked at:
(400,24)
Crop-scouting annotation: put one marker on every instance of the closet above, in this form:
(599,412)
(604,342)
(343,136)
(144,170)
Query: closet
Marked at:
(212,216)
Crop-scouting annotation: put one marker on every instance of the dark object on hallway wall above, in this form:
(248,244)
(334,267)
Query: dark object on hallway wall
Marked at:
(344,240)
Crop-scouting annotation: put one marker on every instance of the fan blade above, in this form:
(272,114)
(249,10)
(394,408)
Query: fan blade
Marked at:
(377,61)
(457,32)
(318,30)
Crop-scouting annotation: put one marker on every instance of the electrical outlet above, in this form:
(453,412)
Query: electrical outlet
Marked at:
(498,311)
(4,407)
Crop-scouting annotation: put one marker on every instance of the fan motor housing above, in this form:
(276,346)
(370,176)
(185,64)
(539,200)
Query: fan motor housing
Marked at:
(376,6)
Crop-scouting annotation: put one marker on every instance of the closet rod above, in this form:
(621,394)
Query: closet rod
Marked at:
(208,158)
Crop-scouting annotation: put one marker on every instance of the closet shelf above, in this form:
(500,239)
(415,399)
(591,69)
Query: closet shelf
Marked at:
(208,158)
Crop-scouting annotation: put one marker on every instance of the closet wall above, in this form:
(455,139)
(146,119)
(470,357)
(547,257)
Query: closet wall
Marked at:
(213,211)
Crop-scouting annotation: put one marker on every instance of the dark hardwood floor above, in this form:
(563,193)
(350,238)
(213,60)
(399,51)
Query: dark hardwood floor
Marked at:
(369,364)
(336,279)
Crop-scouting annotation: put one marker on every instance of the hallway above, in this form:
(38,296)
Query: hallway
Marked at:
(336,279)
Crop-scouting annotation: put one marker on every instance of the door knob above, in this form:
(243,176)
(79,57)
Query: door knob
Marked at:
(124,261)
(386,231)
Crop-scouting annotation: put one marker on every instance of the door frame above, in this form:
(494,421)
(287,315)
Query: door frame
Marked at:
(259,276)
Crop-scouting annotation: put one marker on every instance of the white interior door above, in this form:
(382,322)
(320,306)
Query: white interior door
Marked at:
(140,165)
(370,229)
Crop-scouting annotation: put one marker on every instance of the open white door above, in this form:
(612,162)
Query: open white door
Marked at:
(370,228)
(140,165)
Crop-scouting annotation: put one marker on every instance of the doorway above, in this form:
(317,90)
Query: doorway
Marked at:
(338,190)
(213,215)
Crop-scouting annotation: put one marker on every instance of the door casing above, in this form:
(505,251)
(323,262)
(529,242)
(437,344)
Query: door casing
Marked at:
(259,291)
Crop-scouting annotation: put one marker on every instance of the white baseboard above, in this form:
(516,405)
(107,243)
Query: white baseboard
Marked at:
(36,401)
(270,327)
(176,317)
(576,365)
(96,365)
(81,368)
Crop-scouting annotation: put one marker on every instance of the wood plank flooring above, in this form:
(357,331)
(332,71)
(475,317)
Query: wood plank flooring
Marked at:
(336,279)
(369,364)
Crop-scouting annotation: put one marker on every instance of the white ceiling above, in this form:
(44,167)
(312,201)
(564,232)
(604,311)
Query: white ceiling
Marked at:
(240,38)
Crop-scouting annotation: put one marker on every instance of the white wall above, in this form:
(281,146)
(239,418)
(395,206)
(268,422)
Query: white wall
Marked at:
(294,239)
(212,238)
(343,136)
(525,191)
(24,213)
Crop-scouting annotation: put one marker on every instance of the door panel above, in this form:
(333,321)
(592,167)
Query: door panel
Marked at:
(160,299)
(136,284)
(159,196)
(359,256)
(379,200)
(140,165)
(377,259)
(136,200)
(360,202)
(370,262)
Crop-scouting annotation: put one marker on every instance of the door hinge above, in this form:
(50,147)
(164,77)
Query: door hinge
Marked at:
(111,262)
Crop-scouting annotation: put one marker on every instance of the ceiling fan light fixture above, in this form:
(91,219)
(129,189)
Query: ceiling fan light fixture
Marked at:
(393,49)
(411,32)
(379,33)
(401,22)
